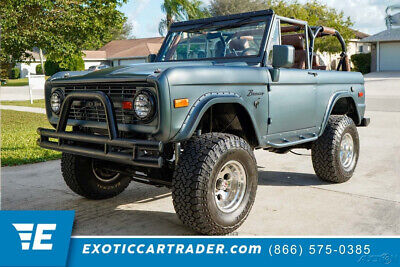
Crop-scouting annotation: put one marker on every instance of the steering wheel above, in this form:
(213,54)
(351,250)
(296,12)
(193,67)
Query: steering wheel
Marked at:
(249,49)
(231,51)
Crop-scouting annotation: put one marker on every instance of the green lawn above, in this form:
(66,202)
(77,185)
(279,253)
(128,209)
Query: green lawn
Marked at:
(36,103)
(18,134)
(17,82)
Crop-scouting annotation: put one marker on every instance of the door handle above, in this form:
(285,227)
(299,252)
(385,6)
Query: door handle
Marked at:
(313,73)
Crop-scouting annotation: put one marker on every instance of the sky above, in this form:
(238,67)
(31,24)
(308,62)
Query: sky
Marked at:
(368,15)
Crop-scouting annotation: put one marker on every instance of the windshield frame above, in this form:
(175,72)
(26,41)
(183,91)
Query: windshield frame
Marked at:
(250,17)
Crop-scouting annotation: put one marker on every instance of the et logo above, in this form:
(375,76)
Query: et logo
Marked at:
(25,231)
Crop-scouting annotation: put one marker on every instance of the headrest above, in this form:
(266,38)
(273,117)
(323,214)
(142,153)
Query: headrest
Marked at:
(238,44)
(219,49)
(315,61)
(296,40)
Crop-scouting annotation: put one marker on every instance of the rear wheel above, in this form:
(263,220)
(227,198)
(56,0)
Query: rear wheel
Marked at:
(335,153)
(215,183)
(86,177)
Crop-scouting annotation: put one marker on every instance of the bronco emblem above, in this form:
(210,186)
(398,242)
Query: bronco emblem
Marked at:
(252,93)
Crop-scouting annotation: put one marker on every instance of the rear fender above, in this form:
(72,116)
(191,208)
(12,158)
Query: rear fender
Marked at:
(331,104)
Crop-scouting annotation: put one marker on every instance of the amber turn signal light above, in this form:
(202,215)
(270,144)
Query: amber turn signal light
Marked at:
(181,103)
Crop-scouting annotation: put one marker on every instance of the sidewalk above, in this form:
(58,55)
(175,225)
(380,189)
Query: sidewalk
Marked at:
(25,109)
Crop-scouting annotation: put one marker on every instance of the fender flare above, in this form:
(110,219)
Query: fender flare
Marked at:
(331,104)
(202,104)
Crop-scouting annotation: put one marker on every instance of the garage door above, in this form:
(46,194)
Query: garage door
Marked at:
(389,56)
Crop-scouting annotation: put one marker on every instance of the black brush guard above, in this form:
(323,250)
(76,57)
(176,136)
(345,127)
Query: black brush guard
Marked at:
(144,153)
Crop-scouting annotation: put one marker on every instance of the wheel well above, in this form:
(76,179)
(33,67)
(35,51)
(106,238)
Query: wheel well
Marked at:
(346,106)
(229,118)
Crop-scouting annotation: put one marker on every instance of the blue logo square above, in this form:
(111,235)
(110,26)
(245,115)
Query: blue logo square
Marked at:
(35,238)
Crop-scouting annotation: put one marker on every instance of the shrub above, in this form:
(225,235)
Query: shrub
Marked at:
(75,63)
(51,67)
(15,73)
(5,69)
(39,69)
(72,63)
(362,62)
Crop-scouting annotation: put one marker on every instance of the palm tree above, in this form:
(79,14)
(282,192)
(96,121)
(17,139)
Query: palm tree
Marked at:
(178,10)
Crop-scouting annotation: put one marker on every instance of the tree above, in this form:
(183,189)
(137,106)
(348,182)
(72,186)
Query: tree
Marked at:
(62,28)
(178,10)
(317,13)
(227,7)
(123,33)
(314,12)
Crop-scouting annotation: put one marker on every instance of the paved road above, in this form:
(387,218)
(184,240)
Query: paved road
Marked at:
(290,199)
(8,93)
(383,94)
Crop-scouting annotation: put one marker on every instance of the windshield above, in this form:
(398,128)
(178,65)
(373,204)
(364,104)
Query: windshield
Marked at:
(229,39)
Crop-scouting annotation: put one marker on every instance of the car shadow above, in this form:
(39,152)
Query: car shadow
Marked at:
(131,213)
(273,178)
(140,210)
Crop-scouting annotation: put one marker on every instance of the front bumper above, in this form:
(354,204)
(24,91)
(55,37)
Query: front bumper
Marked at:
(144,153)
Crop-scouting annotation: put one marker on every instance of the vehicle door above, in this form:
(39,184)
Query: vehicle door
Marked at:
(292,98)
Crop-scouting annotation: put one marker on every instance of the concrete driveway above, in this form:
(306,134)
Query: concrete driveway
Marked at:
(291,200)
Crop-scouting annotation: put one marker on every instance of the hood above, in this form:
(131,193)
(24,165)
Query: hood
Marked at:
(140,70)
(145,69)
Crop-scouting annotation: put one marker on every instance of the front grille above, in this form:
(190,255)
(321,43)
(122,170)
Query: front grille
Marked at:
(94,111)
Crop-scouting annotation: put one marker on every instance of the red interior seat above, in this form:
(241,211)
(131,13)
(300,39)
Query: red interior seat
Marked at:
(297,41)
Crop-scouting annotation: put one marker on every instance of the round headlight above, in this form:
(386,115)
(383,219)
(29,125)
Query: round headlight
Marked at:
(143,105)
(56,99)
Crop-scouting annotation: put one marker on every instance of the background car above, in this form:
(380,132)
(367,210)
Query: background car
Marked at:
(98,67)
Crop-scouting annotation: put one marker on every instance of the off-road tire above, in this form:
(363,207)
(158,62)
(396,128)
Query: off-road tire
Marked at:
(194,177)
(325,151)
(78,175)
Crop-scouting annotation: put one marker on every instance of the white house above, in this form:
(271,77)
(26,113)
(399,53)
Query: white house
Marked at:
(94,58)
(125,52)
(29,66)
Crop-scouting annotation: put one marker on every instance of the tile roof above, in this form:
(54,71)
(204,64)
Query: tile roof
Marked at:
(118,49)
(35,56)
(385,36)
(91,54)
(360,35)
(132,47)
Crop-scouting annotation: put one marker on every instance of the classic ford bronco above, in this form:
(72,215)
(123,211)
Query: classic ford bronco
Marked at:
(189,120)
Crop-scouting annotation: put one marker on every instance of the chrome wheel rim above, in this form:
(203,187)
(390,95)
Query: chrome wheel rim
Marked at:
(347,152)
(230,186)
(106,176)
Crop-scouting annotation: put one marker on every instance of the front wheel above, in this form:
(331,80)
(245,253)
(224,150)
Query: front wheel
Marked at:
(86,177)
(215,182)
(335,153)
